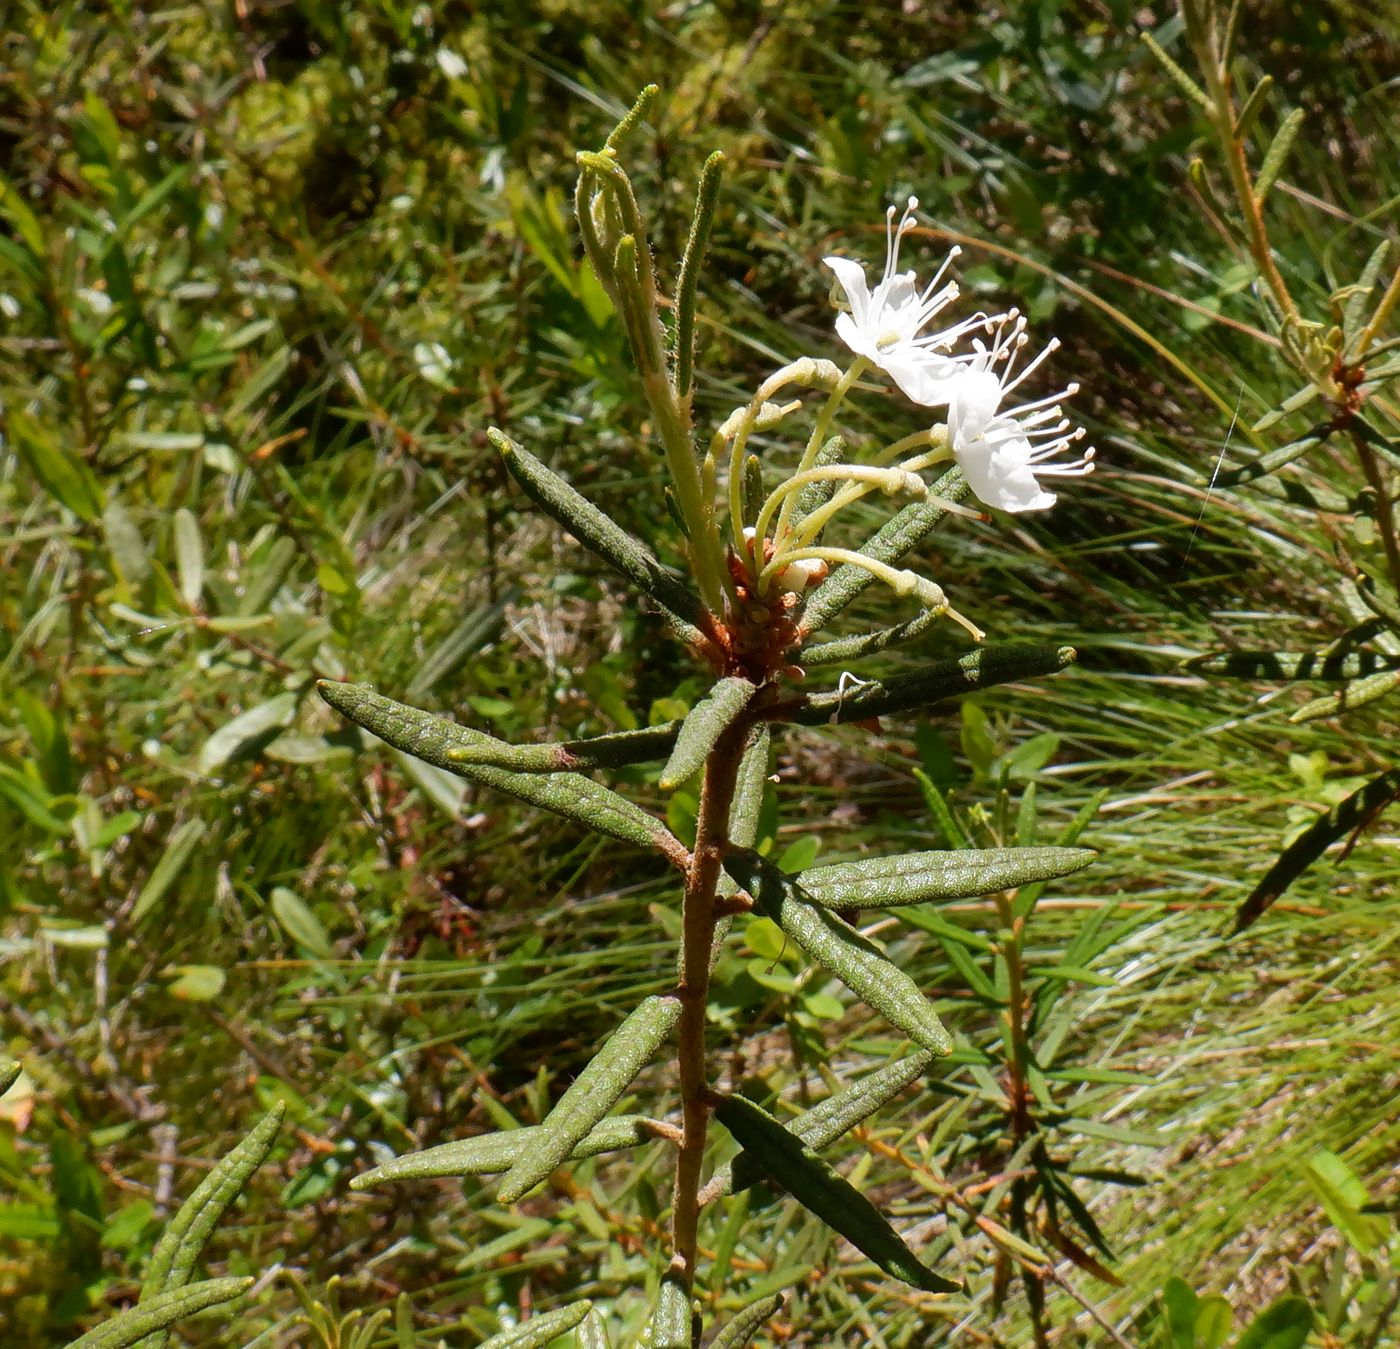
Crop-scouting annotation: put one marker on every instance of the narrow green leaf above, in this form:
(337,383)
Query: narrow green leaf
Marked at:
(816,494)
(1285,665)
(185,1235)
(827,1121)
(844,650)
(246,729)
(852,958)
(747,805)
(591,1095)
(899,536)
(917,877)
(178,849)
(1349,697)
(599,534)
(789,1163)
(135,1323)
(739,1332)
(1253,105)
(61,473)
(1354,310)
(979,669)
(25,223)
(1277,152)
(1274,459)
(474,633)
(1193,91)
(1285,1325)
(671,1319)
(705,723)
(435,740)
(691,263)
(613,750)
(9,1075)
(540,1331)
(488,1154)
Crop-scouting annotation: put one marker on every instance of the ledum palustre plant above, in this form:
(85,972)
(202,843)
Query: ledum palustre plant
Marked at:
(768,570)
(765,578)
(1331,338)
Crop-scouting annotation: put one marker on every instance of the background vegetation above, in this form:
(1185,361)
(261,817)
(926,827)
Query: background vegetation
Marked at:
(269,271)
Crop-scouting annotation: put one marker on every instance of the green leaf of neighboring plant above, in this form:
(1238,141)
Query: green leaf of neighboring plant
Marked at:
(1179,1302)
(1215,1319)
(434,740)
(1356,812)
(1343,1196)
(1285,1325)
(197,983)
(246,728)
(300,923)
(853,959)
(705,723)
(739,1332)
(979,669)
(591,1095)
(488,1154)
(540,1331)
(670,1325)
(896,538)
(917,877)
(184,1237)
(9,1075)
(599,534)
(136,1323)
(789,1163)
(62,474)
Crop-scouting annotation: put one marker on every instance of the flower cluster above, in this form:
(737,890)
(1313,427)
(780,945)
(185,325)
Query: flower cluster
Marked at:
(1003,449)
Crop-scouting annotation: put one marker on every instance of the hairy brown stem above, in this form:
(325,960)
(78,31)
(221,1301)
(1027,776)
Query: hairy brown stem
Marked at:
(698,933)
(1385,508)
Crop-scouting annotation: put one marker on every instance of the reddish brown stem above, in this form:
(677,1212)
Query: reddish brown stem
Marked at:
(698,933)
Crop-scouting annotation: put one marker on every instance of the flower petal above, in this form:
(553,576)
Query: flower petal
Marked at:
(850,276)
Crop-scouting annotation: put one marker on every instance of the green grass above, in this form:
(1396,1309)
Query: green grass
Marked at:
(225,328)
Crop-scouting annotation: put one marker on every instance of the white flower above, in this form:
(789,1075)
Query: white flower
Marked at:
(1003,454)
(886,325)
